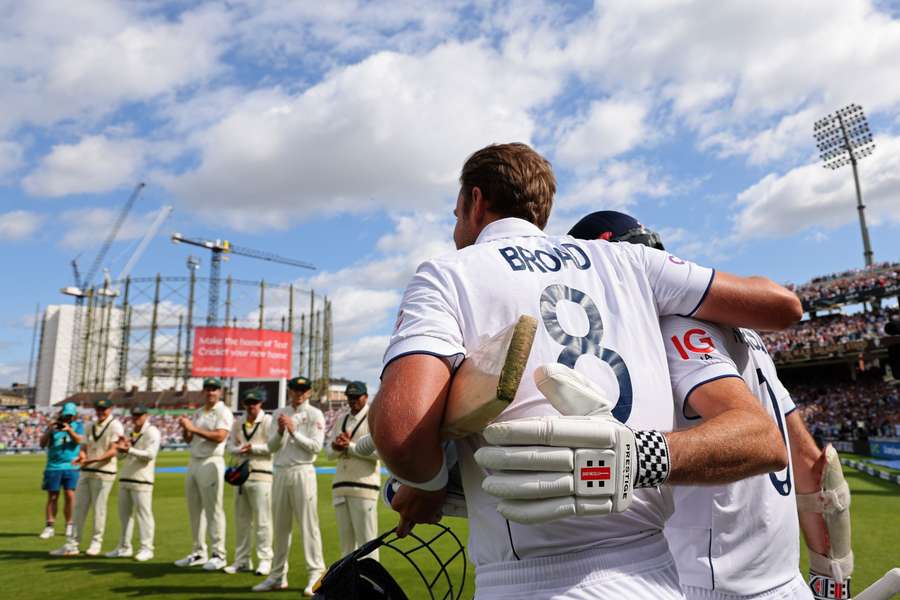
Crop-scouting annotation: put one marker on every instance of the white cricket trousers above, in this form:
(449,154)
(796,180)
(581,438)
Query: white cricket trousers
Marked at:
(136,504)
(203,490)
(357,521)
(795,589)
(253,518)
(91,494)
(642,570)
(295,494)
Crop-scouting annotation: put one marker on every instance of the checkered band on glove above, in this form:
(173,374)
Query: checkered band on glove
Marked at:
(653,459)
(580,462)
(826,588)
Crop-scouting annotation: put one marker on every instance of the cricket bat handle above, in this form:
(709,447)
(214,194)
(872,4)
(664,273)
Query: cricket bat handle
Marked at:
(883,589)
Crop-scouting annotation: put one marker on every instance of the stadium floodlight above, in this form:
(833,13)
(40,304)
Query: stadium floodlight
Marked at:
(843,138)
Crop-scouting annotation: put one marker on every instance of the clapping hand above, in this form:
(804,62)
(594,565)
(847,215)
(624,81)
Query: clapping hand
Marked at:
(186,424)
(285,422)
(245,449)
(341,442)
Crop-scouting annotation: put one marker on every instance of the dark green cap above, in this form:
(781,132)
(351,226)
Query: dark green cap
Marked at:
(299,384)
(356,388)
(103,403)
(138,409)
(213,382)
(254,396)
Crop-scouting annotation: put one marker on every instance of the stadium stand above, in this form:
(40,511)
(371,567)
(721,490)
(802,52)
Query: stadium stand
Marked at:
(850,287)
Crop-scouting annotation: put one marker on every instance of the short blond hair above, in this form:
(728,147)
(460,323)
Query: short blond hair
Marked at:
(514,180)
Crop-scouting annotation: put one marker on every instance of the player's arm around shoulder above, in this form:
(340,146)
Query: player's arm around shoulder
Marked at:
(736,438)
(754,302)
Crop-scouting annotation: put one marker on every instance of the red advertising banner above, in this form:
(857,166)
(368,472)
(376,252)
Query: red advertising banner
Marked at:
(236,352)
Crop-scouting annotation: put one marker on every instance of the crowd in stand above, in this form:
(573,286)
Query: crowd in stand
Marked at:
(850,410)
(828,331)
(849,285)
(22,429)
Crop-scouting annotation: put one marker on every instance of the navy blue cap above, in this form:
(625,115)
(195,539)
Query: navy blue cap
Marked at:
(614,226)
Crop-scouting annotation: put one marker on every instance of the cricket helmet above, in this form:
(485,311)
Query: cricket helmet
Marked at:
(433,551)
(238,474)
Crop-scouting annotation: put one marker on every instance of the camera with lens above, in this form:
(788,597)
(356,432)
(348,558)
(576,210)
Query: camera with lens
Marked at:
(60,425)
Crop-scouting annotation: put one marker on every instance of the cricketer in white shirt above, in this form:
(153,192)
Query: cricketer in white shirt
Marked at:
(739,539)
(600,305)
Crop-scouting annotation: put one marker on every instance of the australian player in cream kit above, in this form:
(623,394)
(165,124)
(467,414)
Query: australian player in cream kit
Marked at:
(600,306)
(295,439)
(98,473)
(206,432)
(357,478)
(137,455)
(249,440)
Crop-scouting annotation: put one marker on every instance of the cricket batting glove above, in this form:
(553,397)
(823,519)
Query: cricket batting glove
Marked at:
(582,462)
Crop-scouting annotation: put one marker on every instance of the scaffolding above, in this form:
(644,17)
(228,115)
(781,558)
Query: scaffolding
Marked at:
(138,333)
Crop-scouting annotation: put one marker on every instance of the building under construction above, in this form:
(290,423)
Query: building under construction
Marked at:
(137,334)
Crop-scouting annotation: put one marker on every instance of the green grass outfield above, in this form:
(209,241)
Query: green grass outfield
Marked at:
(26,570)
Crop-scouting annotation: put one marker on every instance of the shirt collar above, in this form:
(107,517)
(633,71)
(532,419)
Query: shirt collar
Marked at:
(361,414)
(507,228)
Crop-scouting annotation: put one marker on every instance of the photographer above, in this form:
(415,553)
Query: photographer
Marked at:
(62,440)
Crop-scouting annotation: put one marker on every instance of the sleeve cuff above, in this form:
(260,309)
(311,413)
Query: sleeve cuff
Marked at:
(684,388)
(712,276)
(422,344)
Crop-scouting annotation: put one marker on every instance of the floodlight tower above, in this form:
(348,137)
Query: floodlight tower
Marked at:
(843,137)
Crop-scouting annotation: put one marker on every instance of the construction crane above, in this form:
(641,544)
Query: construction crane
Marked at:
(82,290)
(82,285)
(161,217)
(220,247)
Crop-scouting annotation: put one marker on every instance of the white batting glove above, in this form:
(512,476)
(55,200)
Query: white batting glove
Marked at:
(583,462)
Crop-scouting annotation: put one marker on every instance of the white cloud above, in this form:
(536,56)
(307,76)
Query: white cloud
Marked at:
(366,296)
(610,128)
(13,373)
(361,359)
(616,187)
(745,77)
(95,164)
(83,59)
(390,132)
(11,158)
(19,224)
(811,196)
(87,227)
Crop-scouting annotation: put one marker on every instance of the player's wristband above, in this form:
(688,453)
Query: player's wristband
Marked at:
(653,458)
(438,482)
(826,588)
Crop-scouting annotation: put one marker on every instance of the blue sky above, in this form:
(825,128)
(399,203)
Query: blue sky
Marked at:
(334,133)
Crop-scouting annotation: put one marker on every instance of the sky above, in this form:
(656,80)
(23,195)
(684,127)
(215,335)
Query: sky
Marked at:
(334,133)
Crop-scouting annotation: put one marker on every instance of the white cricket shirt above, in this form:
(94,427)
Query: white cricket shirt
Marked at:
(303,446)
(220,417)
(257,435)
(600,305)
(742,538)
(139,463)
(100,437)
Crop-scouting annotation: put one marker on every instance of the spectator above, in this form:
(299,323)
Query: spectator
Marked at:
(62,438)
